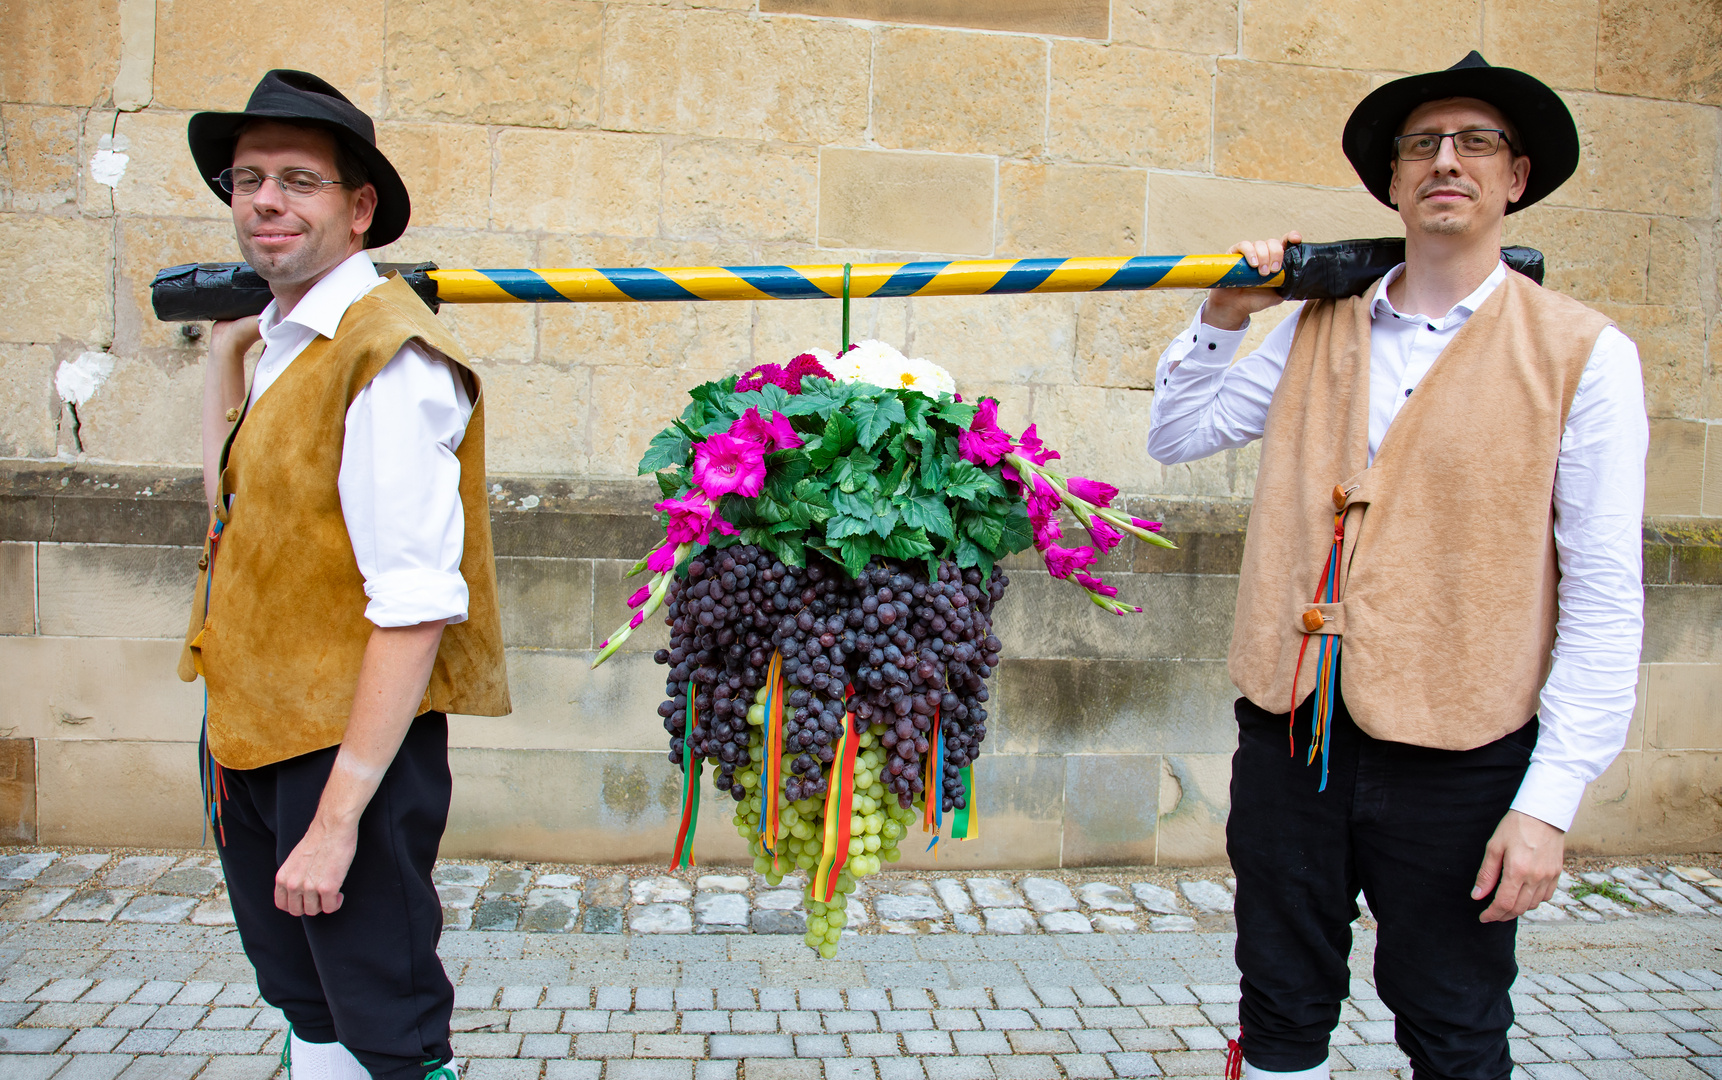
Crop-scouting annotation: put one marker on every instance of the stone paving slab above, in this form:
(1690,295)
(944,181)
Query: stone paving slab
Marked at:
(1603,994)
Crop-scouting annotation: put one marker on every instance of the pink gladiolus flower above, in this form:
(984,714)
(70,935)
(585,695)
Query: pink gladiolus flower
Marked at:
(1094,583)
(724,463)
(1034,449)
(759,377)
(690,519)
(1151,526)
(1046,530)
(605,644)
(634,623)
(773,434)
(803,365)
(1100,494)
(985,442)
(1044,498)
(640,597)
(1062,562)
(661,561)
(1105,536)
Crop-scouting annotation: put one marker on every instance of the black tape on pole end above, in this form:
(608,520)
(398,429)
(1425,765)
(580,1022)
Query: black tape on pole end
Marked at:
(197,292)
(1348,267)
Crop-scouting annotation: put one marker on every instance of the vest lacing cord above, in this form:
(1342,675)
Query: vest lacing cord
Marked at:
(210,776)
(1327,662)
(1235,1058)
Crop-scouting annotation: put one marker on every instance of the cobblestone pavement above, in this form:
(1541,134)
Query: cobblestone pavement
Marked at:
(126,965)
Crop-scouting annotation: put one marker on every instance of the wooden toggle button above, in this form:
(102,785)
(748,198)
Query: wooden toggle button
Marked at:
(232,415)
(1313,620)
(1338,497)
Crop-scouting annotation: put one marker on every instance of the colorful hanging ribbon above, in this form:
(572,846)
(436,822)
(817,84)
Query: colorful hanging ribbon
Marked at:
(966,821)
(839,804)
(771,765)
(692,769)
(210,776)
(933,810)
(1327,659)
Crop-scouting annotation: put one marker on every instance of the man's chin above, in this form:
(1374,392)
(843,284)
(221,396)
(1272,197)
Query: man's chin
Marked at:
(1445,225)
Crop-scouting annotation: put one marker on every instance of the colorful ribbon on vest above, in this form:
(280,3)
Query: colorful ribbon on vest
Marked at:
(771,765)
(839,803)
(933,810)
(1327,662)
(210,776)
(692,769)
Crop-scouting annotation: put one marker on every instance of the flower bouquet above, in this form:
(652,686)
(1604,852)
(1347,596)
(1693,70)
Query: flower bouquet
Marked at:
(828,573)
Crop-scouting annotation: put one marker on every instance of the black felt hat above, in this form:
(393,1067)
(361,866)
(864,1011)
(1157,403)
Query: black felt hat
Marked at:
(1545,127)
(304,98)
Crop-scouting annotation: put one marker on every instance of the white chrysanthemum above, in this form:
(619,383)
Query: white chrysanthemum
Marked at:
(881,365)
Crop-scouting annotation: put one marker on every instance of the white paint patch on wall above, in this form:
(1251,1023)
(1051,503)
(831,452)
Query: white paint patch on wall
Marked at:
(77,381)
(110,160)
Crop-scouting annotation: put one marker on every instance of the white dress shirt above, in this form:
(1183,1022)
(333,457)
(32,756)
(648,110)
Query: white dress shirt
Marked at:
(1204,403)
(399,480)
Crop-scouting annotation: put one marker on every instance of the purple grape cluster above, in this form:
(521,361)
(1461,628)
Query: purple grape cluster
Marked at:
(897,645)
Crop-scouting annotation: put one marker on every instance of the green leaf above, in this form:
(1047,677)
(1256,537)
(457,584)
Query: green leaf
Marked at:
(820,396)
(767,399)
(985,529)
(908,544)
(873,418)
(885,518)
(956,412)
(927,512)
(857,550)
(858,506)
(857,472)
(787,467)
(932,467)
(814,494)
(668,449)
(844,526)
(1018,533)
(673,483)
(916,408)
(838,437)
(969,555)
(967,480)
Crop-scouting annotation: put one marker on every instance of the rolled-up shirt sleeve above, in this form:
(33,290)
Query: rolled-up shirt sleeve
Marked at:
(1205,403)
(1586,704)
(400,489)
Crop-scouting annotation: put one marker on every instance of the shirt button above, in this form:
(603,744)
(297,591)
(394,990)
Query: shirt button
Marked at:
(1431,326)
(1408,393)
(1210,345)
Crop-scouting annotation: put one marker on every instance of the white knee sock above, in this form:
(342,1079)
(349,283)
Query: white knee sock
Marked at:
(322,1061)
(1253,1073)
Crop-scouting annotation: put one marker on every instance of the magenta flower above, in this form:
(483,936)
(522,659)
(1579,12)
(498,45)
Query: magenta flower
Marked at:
(690,519)
(660,561)
(1034,449)
(1046,530)
(1151,526)
(1043,499)
(1100,494)
(803,365)
(724,463)
(759,377)
(1062,562)
(1094,583)
(985,442)
(640,597)
(1105,536)
(773,434)
(634,623)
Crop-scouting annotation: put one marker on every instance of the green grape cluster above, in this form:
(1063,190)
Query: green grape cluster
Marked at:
(877,825)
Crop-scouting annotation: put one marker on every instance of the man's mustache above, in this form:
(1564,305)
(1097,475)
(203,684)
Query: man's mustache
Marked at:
(1464,187)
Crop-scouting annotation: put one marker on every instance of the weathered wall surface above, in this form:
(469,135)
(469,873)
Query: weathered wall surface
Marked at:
(801,131)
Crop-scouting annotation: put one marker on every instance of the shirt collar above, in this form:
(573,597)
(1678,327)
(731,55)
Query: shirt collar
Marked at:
(1464,309)
(320,310)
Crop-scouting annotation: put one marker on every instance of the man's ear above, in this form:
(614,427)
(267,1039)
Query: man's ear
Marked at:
(1521,177)
(1393,174)
(364,210)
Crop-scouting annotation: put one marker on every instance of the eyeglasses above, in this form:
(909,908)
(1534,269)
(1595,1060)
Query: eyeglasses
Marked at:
(1472,142)
(299,183)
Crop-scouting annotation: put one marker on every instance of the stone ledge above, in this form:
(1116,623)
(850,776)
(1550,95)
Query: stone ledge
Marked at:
(574,518)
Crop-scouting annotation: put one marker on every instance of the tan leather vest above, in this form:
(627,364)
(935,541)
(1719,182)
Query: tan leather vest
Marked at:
(1447,598)
(281,645)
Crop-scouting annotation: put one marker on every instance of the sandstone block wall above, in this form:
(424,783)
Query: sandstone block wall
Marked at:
(648,133)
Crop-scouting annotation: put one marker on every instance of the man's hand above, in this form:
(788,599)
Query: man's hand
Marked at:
(1229,309)
(223,391)
(231,339)
(309,882)
(1520,865)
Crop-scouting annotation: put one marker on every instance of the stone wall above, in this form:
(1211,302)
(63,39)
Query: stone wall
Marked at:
(800,131)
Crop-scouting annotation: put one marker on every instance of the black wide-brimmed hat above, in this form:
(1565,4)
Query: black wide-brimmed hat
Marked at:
(300,97)
(1545,127)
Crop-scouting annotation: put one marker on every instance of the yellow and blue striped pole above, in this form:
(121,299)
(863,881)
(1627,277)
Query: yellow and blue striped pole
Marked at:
(1312,271)
(976,277)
